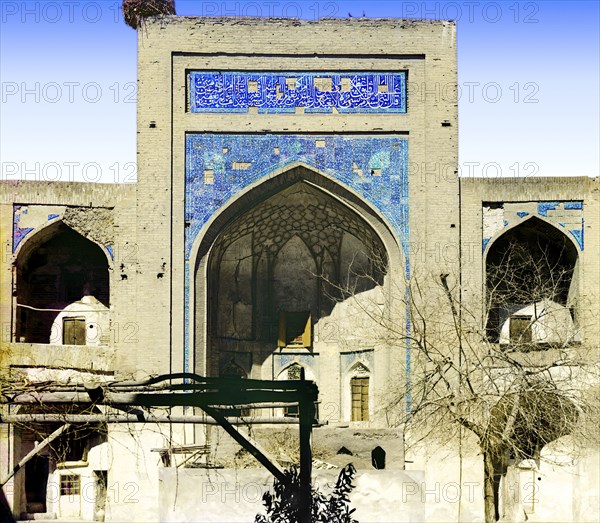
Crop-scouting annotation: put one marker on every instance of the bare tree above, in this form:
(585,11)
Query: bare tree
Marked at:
(511,370)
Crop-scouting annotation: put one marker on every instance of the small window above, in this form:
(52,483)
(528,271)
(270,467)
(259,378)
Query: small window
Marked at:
(71,446)
(359,388)
(520,329)
(294,372)
(74,331)
(378,458)
(233,370)
(295,329)
(70,485)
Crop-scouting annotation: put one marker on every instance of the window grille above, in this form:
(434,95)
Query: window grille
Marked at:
(70,485)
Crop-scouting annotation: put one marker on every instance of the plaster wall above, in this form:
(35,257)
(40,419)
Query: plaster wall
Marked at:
(559,487)
(552,323)
(236,495)
(96,319)
(133,474)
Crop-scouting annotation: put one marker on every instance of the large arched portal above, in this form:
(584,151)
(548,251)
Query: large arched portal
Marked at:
(532,286)
(276,271)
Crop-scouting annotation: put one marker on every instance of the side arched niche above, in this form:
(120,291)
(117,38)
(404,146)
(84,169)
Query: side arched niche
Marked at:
(56,268)
(275,263)
(532,287)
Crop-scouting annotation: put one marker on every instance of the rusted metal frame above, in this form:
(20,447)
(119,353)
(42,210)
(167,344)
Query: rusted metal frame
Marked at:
(200,381)
(307,414)
(159,384)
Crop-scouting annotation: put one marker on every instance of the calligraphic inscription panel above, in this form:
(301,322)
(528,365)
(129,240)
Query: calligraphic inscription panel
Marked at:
(297,92)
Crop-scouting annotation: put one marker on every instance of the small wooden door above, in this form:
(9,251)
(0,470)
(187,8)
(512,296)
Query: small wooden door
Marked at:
(73,331)
(360,399)
(520,329)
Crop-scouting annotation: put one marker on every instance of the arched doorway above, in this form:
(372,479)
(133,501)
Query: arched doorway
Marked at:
(55,268)
(536,418)
(532,286)
(277,267)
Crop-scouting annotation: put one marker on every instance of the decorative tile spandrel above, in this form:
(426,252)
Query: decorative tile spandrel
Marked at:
(218,166)
(566,215)
(374,166)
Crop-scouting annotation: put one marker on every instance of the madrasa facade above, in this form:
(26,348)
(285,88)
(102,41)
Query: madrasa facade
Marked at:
(293,178)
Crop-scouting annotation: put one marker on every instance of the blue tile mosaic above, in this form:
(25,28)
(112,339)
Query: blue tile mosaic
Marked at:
(565,209)
(578,235)
(484,244)
(18,232)
(573,205)
(349,159)
(374,166)
(186,318)
(544,207)
(322,92)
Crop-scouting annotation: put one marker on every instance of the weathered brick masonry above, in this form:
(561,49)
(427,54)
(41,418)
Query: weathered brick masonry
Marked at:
(273,154)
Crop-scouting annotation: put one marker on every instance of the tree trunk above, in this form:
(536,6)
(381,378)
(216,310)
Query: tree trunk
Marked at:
(512,503)
(489,497)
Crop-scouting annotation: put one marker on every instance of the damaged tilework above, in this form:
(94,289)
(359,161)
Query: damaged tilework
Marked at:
(19,232)
(95,224)
(364,357)
(352,160)
(26,218)
(566,215)
(376,167)
(308,361)
(352,92)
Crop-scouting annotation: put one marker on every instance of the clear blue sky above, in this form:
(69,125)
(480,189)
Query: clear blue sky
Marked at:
(528,74)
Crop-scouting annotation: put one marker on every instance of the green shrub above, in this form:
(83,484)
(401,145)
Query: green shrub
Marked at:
(282,505)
